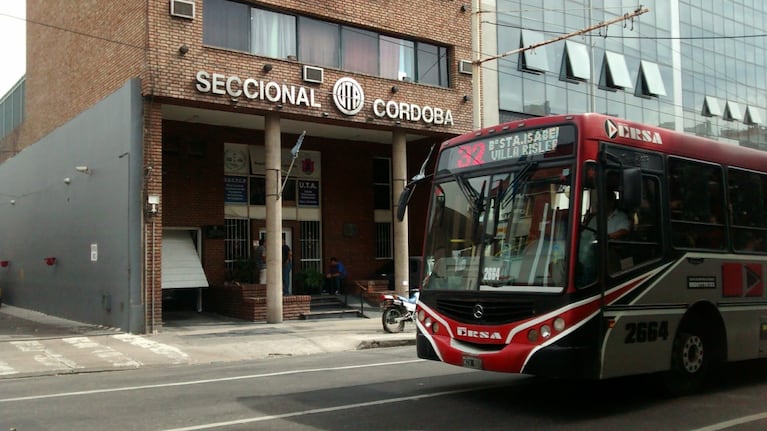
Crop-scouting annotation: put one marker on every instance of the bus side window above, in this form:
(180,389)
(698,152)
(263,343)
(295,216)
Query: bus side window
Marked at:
(643,243)
(748,204)
(696,202)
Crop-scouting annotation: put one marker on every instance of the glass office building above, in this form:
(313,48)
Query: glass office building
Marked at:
(696,66)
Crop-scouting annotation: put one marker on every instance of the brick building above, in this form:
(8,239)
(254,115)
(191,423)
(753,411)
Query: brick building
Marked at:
(157,127)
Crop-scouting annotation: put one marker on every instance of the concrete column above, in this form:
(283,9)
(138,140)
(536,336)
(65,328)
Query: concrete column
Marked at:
(399,179)
(272,166)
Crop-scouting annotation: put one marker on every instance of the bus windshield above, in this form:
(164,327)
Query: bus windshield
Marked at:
(505,231)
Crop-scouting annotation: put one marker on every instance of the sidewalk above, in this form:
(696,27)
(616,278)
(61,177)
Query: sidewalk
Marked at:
(33,343)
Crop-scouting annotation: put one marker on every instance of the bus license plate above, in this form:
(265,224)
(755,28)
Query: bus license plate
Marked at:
(472,362)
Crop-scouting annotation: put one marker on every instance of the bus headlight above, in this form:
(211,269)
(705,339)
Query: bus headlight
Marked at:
(427,322)
(421,315)
(559,324)
(532,335)
(435,327)
(545,331)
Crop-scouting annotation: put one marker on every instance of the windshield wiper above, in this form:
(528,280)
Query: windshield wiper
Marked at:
(514,186)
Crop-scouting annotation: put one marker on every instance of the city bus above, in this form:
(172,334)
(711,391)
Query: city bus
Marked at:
(591,247)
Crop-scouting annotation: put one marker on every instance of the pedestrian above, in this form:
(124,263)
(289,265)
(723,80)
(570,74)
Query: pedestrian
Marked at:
(259,260)
(335,276)
(287,267)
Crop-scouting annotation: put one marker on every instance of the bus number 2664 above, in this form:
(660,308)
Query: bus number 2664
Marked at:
(646,332)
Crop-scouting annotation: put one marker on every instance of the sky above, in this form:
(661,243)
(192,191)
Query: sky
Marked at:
(14,43)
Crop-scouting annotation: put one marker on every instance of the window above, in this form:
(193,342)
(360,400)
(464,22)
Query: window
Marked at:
(237,26)
(383,241)
(310,246)
(397,58)
(236,249)
(615,73)
(381,184)
(359,50)
(274,34)
(575,62)
(643,242)
(226,24)
(696,200)
(532,60)
(649,82)
(431,68)
(318,42)
(747,198)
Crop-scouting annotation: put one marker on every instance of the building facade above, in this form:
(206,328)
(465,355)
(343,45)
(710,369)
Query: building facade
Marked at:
(693,66)
(166,131)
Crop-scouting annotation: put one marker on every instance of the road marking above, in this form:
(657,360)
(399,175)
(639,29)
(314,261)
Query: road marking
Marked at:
(325,410)
(733,422)
(204,381)
(44,356)
(170,352)
(117,359)
(6,370)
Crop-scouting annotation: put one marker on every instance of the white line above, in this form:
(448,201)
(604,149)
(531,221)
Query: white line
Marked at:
(173,353)
(733,422)
(200,382)
(117,359)
(322,410)
(45,357)
(6,370)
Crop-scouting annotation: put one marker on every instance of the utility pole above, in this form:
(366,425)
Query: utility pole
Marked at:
(478,61)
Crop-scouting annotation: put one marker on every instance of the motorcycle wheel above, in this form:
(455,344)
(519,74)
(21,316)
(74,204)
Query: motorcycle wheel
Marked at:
(392,320)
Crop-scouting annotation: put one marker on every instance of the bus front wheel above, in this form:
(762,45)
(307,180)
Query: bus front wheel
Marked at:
(689,362)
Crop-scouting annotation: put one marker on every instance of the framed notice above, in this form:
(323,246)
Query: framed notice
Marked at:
(308,193)
(235,189)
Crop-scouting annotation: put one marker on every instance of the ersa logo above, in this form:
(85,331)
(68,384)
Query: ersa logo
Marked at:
(471,333)
(614,130)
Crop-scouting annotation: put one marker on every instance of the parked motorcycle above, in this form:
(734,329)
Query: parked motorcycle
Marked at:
(397,310)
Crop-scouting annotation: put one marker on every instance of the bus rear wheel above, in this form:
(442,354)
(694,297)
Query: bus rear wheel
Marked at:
(690,362)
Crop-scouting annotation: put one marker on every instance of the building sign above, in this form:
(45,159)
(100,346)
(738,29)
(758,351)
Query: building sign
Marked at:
(256,89)
(306,166)
(236,159)
(348,97)
(308,193)
(235,189)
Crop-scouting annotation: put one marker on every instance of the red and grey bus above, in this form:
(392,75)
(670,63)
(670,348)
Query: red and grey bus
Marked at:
(587,246)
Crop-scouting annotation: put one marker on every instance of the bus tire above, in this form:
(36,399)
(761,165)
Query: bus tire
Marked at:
(690,361)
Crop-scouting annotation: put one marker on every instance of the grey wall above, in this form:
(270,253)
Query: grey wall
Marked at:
(42,216)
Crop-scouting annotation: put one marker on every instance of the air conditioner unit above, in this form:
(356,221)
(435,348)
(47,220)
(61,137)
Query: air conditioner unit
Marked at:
(465,67)
(182,8)
(314,74)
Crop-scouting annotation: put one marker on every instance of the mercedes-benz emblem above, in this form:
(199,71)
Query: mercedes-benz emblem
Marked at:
(478,311)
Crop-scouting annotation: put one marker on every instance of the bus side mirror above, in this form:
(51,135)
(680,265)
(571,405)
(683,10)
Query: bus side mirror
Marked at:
(404,198)
(631,197)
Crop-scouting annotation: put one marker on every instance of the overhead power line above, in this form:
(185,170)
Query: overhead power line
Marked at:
(637,12)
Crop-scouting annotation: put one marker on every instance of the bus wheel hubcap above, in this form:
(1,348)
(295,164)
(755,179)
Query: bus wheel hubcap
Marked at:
(692,354)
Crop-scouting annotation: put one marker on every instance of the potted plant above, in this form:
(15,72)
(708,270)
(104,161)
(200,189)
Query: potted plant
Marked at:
(310,280)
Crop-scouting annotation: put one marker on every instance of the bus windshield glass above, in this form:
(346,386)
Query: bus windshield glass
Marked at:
(505,231)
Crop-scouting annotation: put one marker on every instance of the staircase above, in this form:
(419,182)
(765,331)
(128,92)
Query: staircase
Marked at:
(331,306)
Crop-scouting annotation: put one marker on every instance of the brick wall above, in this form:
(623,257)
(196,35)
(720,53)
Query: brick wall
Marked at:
(435,21)
(78,52)
(248,302)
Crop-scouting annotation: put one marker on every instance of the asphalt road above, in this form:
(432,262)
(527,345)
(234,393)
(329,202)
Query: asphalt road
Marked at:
(380,389)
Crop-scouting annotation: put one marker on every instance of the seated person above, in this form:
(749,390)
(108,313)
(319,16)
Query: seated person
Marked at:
(335,276)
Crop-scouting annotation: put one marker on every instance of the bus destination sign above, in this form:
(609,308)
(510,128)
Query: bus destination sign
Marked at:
(506,147)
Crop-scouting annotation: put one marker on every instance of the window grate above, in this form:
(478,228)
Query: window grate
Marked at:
(383,241)
(236,242)
(311,257)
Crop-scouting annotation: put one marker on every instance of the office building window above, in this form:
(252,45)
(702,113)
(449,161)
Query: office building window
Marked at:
(227,24)
(273,34)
